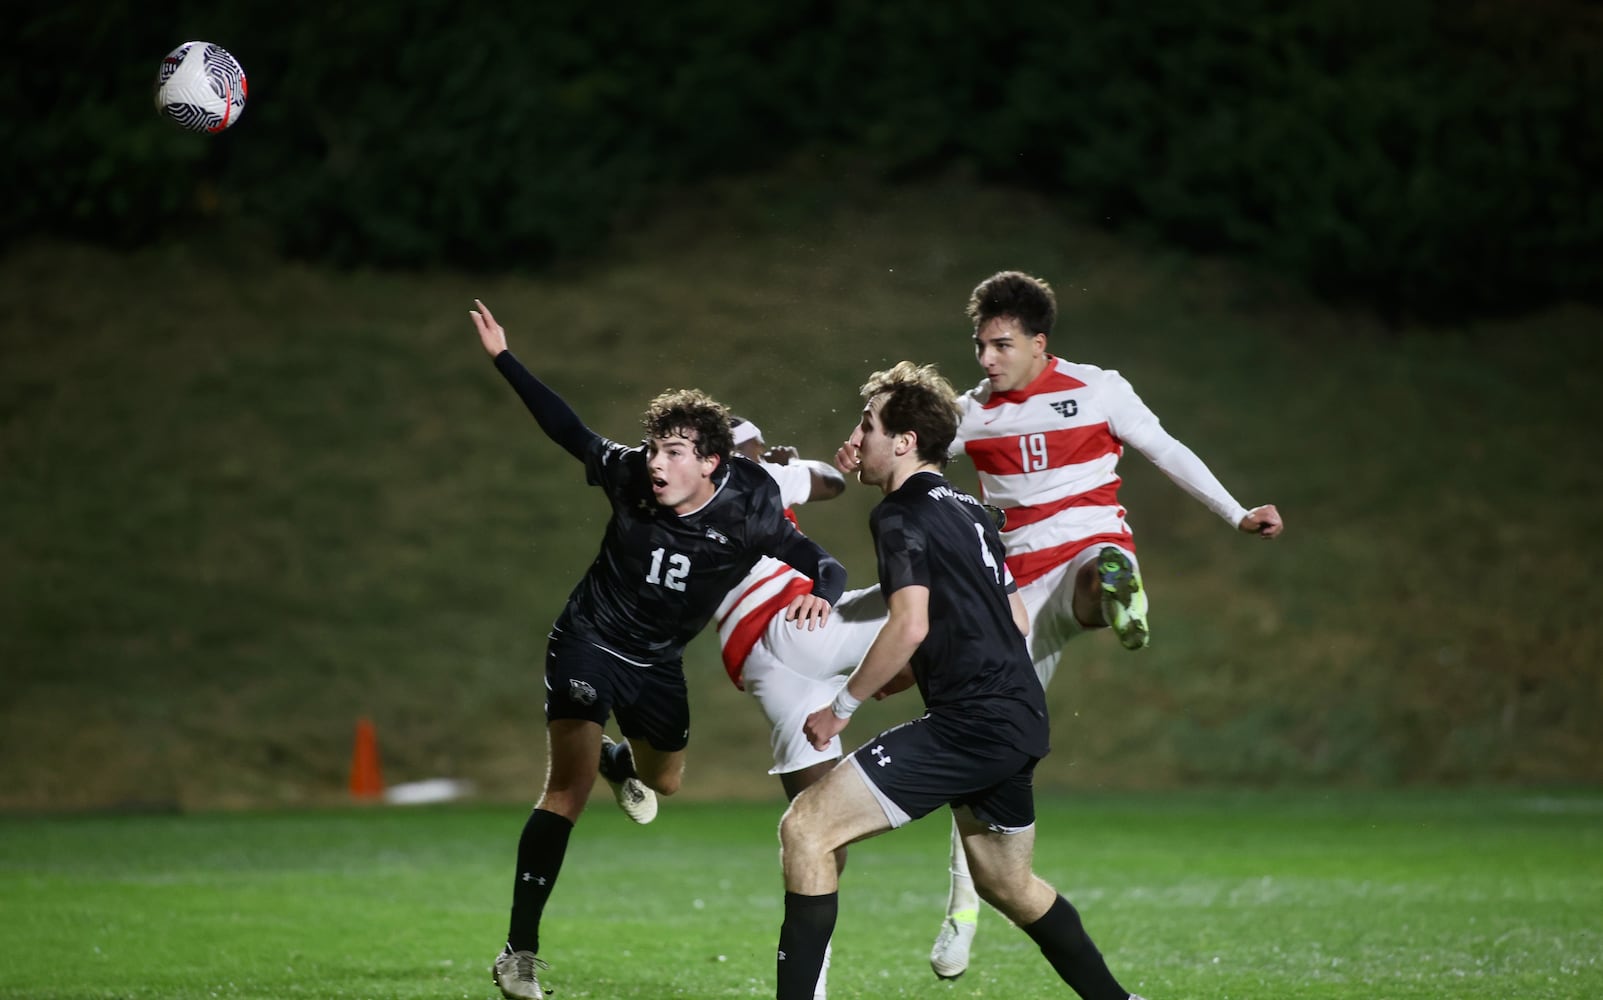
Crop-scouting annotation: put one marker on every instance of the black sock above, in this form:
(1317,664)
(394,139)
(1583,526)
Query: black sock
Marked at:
(540,851)
(618,762)
(1069,948)
(809,923)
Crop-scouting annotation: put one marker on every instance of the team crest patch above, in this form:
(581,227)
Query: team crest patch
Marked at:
(717,536)
(581,692)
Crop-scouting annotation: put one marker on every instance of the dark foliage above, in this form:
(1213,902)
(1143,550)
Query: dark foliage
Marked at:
(1423,159)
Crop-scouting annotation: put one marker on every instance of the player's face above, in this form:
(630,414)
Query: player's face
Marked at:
(1011,357)
(875,448)
(680,479)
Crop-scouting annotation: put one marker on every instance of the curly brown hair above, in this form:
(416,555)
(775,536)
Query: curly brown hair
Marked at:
(918,399)
(1029,300)
(694,415)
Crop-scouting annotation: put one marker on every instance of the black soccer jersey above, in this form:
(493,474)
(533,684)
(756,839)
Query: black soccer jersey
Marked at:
(973,664)
(659,576)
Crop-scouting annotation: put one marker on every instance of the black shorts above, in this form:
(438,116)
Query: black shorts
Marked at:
(919,766)
(586,681)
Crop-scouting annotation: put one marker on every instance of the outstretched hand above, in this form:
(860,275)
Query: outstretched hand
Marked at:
(1262,521)
(491,335)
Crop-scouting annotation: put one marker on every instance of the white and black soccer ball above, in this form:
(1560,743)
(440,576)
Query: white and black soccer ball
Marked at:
(201,87)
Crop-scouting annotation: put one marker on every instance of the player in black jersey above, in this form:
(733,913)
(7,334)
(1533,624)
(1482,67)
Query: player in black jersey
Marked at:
(956,629)
(687,525)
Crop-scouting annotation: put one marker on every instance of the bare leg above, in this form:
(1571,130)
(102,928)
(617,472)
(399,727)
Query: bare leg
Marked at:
(662,772)
(1001,863)
(573,749)
(836,811)
(794,782)
(1088,597)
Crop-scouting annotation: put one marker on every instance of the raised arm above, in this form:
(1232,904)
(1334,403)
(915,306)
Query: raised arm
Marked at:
(825,482)
(553,414)
(1136,425)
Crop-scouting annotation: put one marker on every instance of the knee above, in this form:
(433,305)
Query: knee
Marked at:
(562,801)
(1010,900)
(799,836)
(664,784)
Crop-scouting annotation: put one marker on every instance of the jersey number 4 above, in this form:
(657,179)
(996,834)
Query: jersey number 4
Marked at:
(985,554)
(678,569)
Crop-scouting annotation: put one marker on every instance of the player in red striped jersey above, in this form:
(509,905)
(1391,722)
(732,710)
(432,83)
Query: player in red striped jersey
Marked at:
(1045,436)
(792,671)
(788,670)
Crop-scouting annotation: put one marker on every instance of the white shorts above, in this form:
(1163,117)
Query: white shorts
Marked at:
(1050,601)
(793,672)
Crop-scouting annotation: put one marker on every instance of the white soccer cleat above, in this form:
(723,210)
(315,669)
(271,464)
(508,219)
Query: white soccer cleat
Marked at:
(638,802)
(949,957)
(515,973)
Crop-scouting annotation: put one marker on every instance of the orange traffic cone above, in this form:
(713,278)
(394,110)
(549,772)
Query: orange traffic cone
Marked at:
(366,780)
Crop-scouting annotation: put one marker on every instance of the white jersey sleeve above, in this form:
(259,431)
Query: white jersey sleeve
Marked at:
(795,481)
(1134,423)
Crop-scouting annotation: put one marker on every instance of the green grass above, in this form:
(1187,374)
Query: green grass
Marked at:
(243,502)
(1190,895)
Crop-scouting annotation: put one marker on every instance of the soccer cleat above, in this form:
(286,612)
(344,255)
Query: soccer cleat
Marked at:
(949,957)
(638,802)
(514,972)
(1124,599)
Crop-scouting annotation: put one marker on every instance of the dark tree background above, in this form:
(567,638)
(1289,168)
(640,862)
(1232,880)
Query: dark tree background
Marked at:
(1429,160)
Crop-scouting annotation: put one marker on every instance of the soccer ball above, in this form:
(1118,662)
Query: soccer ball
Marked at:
(201,87)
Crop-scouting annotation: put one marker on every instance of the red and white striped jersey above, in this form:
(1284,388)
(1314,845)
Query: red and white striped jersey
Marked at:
(770,586)
(1047,454)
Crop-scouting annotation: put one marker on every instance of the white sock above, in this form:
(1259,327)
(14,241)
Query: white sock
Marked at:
(823,971)
(963,903)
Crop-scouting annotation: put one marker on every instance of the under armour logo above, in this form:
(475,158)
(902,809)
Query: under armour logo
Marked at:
(536,879)
(882,757)
(781,956)
(1066,407)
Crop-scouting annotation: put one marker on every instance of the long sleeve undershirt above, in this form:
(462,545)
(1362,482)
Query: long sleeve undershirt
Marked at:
(550,410)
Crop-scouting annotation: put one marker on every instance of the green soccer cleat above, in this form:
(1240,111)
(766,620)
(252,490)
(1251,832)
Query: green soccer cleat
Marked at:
(1124,599)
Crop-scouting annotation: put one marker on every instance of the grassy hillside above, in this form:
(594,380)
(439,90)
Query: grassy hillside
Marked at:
(243,502)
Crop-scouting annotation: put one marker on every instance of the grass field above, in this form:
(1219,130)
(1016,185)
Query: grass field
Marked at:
(1472,896)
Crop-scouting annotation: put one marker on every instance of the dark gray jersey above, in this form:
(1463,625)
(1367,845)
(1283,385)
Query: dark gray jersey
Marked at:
(659,576)
(973,666)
